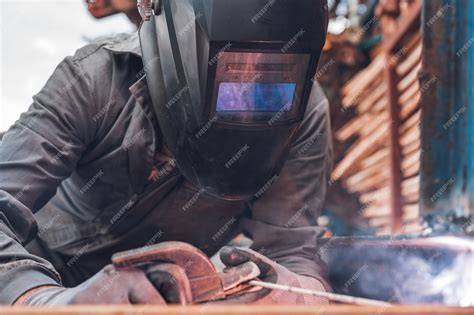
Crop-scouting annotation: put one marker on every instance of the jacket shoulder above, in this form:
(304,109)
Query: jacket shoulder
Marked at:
(106,68)
(121,43)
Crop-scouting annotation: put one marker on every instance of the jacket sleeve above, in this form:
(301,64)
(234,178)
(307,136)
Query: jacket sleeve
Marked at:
(283,223)
(36,154)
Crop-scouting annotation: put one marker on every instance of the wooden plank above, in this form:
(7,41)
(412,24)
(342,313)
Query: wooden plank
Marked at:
(409,126)
(414,41)
(359,81)
(380,221)
(410,169)
(411,159)
(411,141)
(413,58)
(381,195)
(361,148)
(411,121)
(353,127)
(355,155)
(411,147)
(372,98)
(410,191)
(409,79)
(410,22)
(378,121)
(411,212)
(411,196)
(240,309)
(378,156)
(410,136)
(371,176)
(411,93)
(365,173)
(381,105)
(372,183)
(410,107)
(377,211)
(411,184)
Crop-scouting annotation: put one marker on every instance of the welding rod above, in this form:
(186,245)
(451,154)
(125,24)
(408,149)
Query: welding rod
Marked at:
(331,296)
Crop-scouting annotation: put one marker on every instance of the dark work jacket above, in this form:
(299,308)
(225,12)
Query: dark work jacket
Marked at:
(74,177)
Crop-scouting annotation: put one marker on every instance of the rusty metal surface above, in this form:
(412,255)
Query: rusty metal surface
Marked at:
(407,25)
(239,309)
(395,179)
(392,47)
(447,166)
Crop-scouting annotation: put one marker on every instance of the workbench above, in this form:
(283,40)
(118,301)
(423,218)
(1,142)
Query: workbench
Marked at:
(239,309)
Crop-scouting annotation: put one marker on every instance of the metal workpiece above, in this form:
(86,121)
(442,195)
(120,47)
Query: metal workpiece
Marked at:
(347,299)
(406,269)
(447,101)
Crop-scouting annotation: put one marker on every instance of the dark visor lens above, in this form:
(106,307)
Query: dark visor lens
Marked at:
(254,88)
(255,97)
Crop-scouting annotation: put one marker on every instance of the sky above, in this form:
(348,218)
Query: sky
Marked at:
(35,35)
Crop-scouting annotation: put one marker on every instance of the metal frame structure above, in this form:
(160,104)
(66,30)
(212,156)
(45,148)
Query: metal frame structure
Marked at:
(447,164)
(392,47)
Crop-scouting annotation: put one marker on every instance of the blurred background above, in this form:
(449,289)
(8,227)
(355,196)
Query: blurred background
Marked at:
(375,184)
(35,35)
(370,74)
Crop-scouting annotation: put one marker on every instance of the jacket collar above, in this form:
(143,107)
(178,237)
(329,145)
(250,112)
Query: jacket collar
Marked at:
(125,44)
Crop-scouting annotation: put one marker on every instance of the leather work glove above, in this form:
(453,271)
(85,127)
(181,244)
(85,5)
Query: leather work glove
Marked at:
(271,272)
(111,285)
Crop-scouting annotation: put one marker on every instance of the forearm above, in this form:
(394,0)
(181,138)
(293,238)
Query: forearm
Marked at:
(19,270)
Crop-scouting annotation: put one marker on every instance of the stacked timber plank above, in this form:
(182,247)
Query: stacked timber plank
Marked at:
(366,167)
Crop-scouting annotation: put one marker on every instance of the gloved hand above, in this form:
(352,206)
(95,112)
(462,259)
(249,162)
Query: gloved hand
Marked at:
(271,272)
(111,285)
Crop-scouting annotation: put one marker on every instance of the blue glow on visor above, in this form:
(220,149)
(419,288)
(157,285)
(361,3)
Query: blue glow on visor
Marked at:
(255,97)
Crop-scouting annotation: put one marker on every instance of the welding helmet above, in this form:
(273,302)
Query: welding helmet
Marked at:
(229,82)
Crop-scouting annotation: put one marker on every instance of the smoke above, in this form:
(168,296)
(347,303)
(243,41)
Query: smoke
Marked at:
(423,281)
(405,272)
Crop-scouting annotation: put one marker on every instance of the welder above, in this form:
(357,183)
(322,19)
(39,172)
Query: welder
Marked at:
(204,125)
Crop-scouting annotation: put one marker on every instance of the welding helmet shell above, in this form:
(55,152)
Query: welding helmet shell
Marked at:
(229,82)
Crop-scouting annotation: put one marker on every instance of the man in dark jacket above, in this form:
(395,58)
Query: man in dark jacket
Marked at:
(85,173)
